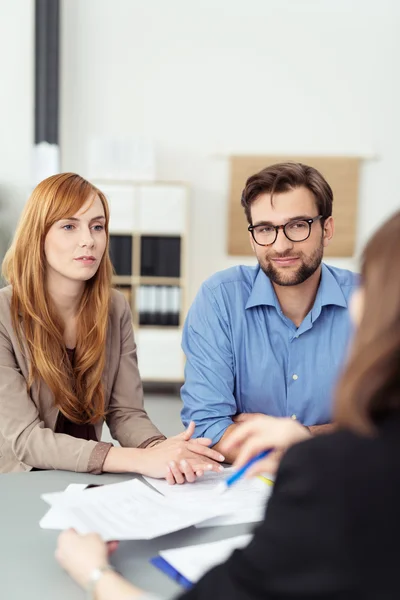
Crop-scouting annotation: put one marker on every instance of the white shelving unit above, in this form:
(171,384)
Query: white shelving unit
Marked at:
(148,228)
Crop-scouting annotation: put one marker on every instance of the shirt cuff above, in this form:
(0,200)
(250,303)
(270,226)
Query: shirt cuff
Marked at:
(97,457)
(153,441)
(216,430)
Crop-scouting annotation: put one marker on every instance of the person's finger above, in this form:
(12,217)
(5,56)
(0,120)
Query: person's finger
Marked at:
(249,449)
(204,462)
(240,418)
(70,532)
(112,546)
(217,468)
(240,434)
(66,536)
(201,441)
(176,472)
(199,473)
(169,477)
(187,471)
(267,465)
(205,466)
(187,434)
(204,451)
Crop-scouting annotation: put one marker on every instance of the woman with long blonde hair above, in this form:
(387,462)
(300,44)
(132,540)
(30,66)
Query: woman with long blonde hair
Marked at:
(67,351)
(331,529)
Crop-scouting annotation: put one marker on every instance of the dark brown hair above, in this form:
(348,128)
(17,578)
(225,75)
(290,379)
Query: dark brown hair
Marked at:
(283,177)
(370,385)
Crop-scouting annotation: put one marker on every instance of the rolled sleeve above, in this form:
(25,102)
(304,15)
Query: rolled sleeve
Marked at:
(207,393)
(98,456)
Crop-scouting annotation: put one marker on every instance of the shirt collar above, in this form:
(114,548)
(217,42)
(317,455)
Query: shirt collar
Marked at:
(329,292)
(262,292)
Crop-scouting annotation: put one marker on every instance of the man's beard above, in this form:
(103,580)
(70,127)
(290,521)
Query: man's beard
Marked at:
(282,276)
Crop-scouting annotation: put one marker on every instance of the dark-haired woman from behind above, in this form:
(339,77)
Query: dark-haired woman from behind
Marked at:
(332,525)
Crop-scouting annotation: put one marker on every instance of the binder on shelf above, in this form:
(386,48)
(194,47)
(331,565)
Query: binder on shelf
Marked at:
(121,254)
(142,305)
(160,256)
(152,298)
(164,316)
(159,305)
(176,305)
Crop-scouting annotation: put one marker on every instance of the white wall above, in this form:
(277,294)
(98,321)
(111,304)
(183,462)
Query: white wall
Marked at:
(16,105)
(215,77)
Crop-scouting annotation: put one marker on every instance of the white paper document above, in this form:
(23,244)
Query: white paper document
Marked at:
(194,561)
(128,511)
(244,502)
(57,518)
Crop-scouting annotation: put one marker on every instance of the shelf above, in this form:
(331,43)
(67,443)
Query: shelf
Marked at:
(122,280)
(159,327)
(179,381)
(148,231)
(148,280)
(137,233)
(123,233)
(136,280)
(159,352)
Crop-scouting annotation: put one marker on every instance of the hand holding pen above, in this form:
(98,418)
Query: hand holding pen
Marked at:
(259,435)
(238,474)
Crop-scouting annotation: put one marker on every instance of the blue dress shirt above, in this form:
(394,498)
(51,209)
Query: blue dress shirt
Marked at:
(244,356)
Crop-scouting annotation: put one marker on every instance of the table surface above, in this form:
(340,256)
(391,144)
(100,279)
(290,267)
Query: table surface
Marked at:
(28,568)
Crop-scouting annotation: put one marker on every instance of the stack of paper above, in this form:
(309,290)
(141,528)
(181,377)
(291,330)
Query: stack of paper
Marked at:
(127,511)
(244,502)
(57,518)
(189,564)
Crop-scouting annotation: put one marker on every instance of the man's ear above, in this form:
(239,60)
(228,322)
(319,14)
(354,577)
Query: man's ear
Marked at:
(329,230)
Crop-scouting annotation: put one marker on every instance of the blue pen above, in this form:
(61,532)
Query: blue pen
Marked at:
(225,485)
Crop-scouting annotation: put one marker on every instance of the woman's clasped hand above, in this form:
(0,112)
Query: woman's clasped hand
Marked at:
(181,459)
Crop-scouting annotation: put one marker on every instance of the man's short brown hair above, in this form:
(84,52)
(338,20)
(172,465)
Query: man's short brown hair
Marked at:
(284,177)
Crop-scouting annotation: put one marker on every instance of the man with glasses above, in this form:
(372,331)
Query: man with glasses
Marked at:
(271,339)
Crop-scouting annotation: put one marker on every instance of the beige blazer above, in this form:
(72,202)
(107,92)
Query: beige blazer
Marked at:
(27,421)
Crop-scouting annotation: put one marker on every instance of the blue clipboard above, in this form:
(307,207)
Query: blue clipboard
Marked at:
(169,570)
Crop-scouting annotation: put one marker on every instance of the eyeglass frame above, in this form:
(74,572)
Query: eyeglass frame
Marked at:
(283,227)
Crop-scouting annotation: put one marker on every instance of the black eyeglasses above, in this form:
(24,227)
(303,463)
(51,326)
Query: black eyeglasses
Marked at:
(295,231)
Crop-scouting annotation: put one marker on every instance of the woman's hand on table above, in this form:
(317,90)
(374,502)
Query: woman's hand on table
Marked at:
(181,459)
(177,459)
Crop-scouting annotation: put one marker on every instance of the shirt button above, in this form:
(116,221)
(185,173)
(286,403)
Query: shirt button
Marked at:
(295,377)
(294,417)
